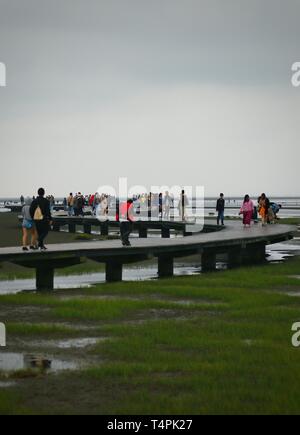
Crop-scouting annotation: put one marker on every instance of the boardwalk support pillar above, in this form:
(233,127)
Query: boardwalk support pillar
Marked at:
(87,228)
(104,229)
(208,260)
(45,270)
(165,232)
(254,253)
(44,278)
(235,257)
(56,226)
(114,271)
(246,255)
(165,266)
(143,232)
(72,228)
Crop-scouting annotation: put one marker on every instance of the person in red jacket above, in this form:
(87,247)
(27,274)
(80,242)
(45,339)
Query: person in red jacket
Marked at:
(125,215)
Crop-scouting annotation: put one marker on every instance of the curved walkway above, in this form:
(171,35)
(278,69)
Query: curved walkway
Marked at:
(243,246)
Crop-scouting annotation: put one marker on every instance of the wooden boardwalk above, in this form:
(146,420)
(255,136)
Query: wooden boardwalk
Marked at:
(142,227)
(105,226)
(243,246)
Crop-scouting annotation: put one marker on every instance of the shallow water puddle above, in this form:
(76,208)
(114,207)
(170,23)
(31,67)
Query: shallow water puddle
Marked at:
(86,281)
(78,343)
(7,384)
(18,361)
(74,343)
(280,251)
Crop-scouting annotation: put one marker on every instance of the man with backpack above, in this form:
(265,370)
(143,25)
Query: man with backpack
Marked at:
(79,202)
(41,214)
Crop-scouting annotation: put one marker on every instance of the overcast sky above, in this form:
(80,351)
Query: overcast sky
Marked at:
(187,92)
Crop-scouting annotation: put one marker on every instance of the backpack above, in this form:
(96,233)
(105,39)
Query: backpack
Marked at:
(80,202)
(38,215)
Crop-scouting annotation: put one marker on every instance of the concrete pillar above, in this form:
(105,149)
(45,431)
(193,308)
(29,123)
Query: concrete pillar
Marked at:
(114,271)
(44,278)
(143,233)
(234,256)
(87,228)
(72,228)
(56,226)
(208,260)
(104,230)
(165,266)
(249,254)
(165,232)
(254,253)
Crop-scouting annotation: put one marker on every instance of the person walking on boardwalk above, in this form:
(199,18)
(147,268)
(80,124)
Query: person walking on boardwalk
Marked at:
(247,210)
(220,208)
(125,215)
(41,214)
(78,204)
(263,206)
(103,206)
(70,201)
(28,227)
(167,203)
(182,206)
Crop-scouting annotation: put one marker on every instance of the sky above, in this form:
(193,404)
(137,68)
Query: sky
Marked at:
(164,92)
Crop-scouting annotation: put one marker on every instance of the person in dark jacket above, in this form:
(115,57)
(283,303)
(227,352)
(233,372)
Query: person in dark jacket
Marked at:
(220,208)
(41,214)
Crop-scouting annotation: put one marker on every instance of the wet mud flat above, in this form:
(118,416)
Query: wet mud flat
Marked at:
(169,346)
(40,342)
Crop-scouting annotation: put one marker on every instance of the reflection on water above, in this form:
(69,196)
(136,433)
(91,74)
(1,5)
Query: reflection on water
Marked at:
(19,361)
(88,280)
(77,343)
(281,251)
(7,384)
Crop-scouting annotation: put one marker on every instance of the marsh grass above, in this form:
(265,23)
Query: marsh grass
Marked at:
(226,352)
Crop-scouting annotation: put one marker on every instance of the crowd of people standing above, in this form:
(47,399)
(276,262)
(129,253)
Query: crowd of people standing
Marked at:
(37,212)
(250,211)
(158,205)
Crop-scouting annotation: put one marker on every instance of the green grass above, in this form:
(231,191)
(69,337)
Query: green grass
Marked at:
(38,330)
(226,352)
(11,404)
(289,221)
